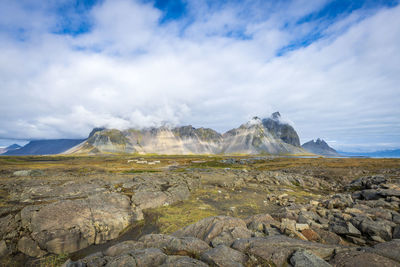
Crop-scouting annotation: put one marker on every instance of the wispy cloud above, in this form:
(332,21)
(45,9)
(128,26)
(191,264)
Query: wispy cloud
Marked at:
(65,69)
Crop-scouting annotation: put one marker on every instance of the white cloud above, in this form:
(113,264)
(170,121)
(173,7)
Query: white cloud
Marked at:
(130,71)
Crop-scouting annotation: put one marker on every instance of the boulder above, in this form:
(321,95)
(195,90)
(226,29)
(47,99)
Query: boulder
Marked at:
(8,227)
(30,247)
(224,256)
(3,248)
(302,258)
(361,259)
(228,236)
(367,182)
(389,249)
(370,194)
(277,249)
(146,200)
(69,225)
(339,201)
(328,237)
(182,261)
(171,245)
(261,221)
(342,227)
(209,228)
(396,232)
(311,235)
(376,228)
(123,247)
(140,257)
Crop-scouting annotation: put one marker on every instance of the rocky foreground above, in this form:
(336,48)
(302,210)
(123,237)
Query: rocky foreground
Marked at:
(313,221)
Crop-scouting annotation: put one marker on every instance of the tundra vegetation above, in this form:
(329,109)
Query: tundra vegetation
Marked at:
(199,210)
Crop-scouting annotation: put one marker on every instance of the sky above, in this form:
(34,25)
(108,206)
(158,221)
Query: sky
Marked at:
(331,68)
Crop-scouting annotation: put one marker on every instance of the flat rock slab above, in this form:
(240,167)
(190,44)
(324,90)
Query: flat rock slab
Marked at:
(224,256)
(389,249)
(182,261)
(277,249)
(302,258)
(69,225)
(172,245)
(362,259)
(209,228)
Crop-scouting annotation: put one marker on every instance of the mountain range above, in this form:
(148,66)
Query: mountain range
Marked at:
(9,148)
(45,147)
(269,135)
(257,136)
(320,147)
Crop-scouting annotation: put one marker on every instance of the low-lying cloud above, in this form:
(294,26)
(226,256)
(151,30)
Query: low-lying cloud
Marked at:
(217,67)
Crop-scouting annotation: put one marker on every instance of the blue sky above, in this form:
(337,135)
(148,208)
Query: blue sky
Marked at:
(330,67)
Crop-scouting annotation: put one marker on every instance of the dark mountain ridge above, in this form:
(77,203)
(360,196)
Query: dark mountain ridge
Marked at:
(45,147)
(320,147)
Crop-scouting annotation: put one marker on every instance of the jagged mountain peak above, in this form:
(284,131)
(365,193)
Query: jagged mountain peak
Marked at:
(276,115)
(281,130)
(320,147)
(257,135)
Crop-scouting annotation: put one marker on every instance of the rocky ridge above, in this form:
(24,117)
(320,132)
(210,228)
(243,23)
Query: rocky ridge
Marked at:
(270,135)
(320,147)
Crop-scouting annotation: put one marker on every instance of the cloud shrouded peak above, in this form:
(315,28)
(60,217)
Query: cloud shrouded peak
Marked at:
(331,68)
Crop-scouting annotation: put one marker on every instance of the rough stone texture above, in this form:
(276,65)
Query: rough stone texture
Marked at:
(123,247)
(184,246)
(311,235)
(361,259)
(396,232)
(224,256)
(3,248)
(303,258)
(145,200)
(30,247)
(227,237)
(389,249)
(376,228)
(8,225)
(182,261)
(367,182)
(277,249)
(140,257)
(209,228)
(342,227)
(70,225)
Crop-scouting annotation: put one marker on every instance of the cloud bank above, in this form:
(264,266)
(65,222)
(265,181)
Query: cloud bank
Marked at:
(65,69)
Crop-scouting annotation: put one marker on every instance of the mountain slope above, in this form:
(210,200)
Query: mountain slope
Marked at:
(254,137)
(45,147)
(281,130)
(9,148)
(320,147)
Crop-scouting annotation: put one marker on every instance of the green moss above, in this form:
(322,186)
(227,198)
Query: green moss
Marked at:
(174,217)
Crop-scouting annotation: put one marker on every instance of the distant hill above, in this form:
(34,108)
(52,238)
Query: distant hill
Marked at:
(45,147)
(395,153)
(320,147)
(270,135)
(9,148)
